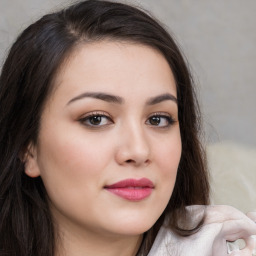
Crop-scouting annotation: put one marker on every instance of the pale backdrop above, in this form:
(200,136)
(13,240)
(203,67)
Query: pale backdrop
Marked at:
(219,39)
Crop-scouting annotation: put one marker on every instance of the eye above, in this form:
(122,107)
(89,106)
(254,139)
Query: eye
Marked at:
(96,120)
(160,120)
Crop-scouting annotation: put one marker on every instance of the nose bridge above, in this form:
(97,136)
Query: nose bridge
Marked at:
(138,138)
(134,145)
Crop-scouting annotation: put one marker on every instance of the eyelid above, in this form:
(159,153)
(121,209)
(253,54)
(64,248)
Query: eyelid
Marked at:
(86,116)
(96,113)
(170,119)
(163,114)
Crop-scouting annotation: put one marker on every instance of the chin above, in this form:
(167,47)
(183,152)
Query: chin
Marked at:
(135,226)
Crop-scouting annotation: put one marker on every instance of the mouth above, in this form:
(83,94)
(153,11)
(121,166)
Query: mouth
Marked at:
(132,189)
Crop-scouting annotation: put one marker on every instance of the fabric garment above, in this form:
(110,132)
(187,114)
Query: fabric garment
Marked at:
(222,224)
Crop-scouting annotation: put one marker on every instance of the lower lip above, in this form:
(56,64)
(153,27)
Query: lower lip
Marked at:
(131,194)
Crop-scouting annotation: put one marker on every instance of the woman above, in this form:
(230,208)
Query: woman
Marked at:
(99,142)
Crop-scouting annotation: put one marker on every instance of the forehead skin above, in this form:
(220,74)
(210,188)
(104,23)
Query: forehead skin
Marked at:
(103,57)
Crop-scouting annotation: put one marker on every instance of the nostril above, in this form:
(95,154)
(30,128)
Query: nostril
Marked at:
(147,161)
(131,161)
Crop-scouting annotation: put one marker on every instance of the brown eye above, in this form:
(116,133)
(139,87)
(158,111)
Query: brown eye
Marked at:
(161,121)
(155,120)
(95,120)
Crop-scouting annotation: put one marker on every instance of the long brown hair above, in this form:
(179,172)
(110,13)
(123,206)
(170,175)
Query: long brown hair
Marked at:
(26,225)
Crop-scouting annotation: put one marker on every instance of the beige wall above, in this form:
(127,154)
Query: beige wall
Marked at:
(219,39)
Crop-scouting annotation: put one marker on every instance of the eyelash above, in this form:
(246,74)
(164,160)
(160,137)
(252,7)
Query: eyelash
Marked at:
(86,119)
(87,122)
(169,119)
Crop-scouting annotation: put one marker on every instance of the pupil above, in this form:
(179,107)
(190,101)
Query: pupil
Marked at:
(95,120)
(155,120)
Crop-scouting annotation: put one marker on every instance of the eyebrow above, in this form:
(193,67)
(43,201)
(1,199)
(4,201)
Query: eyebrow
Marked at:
(119,100)
(160,98)
(100,96)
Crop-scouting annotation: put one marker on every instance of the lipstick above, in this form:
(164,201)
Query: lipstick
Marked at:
(132,189)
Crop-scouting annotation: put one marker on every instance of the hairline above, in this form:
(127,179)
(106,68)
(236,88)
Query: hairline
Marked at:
(81,43)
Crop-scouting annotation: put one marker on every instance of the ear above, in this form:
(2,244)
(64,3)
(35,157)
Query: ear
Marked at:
(30,162)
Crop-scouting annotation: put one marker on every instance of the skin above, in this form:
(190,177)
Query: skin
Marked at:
(77,159)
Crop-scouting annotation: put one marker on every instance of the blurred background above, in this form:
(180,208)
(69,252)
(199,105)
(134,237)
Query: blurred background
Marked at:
(219,40)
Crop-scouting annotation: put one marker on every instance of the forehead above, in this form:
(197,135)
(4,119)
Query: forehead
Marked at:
(116,67)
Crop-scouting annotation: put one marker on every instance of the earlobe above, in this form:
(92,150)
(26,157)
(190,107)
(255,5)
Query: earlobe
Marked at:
(31,167)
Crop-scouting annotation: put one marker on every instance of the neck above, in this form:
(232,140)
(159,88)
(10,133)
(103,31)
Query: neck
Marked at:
(77,243)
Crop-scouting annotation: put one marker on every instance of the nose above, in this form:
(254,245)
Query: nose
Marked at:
(133,147)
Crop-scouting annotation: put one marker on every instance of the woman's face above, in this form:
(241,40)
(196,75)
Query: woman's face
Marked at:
(109,142)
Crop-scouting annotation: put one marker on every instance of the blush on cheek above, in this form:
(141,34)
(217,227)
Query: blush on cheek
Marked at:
(170,159)
(169,171)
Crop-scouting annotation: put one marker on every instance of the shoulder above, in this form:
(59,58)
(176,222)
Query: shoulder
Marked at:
(222,223)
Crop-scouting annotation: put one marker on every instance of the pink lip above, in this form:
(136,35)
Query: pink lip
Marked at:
(132,189)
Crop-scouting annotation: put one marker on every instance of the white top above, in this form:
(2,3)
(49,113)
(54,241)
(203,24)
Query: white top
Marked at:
(223,223)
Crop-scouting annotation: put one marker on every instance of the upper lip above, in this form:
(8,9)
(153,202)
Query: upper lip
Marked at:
(136,183)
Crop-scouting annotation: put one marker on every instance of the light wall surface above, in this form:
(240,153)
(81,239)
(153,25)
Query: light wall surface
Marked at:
(219,40)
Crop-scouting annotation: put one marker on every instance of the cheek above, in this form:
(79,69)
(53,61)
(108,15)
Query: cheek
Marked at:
(73,170)
(168,158)
(168,153)
(72,162)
